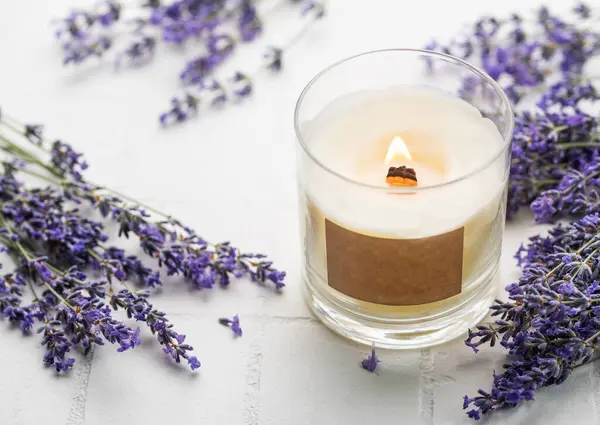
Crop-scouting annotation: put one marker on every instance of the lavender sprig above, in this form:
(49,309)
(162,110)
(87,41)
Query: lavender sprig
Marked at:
(53,243)
(550,325)
(220,27)
(204,89)
(522,52)
(526,55)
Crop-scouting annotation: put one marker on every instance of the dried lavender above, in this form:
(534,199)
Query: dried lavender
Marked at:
(541,53)
(551,150)
(233,323)
(550,324)
(202,88)
(371,362)
(522,52)
(134,33)
(74,275)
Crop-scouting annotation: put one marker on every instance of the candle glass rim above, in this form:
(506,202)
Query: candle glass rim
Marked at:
(506,136)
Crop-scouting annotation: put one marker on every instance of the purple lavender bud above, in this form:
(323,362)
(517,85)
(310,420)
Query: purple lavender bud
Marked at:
(219,48)
(582,10)
(273,59)
(233,323)
(249,24)
(313,7)
(34,133)
(111,15)
(371,362)
(181,109)
(77,51)
(138,52)
(193,362)
(242,85)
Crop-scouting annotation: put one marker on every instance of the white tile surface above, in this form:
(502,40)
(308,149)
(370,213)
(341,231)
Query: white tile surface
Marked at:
(145,387)
(286,369)
(310,376)
(30,393)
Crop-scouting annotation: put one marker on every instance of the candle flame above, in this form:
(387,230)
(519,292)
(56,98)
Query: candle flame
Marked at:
(397,151)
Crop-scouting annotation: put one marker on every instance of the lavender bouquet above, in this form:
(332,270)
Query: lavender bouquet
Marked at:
(69,278)
(133,34)
(551,323)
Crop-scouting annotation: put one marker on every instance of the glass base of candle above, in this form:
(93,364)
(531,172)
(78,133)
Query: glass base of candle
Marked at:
(401,327)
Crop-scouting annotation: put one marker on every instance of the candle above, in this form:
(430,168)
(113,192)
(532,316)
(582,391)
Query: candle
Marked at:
(401,258)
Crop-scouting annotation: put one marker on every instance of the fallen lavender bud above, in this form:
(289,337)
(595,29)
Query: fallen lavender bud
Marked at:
(233,323)
(371,362)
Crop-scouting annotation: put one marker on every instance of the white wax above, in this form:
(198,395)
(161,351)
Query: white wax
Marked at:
(448,139)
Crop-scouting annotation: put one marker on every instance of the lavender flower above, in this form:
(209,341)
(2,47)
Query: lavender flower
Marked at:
(57,347)
(181,110)
(233,323)
(558,138)
(242,85)
(249,24)
(274,58)
(34,133)
(218,25)
(77,51)
(549,326)
(219,48)
(583,11)
(80,25)
(53,244)
(139,52)
(371,362)
(524,55)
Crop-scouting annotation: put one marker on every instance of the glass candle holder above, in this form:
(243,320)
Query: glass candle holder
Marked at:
(403,162)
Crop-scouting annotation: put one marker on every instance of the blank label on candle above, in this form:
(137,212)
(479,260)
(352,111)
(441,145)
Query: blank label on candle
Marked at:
(397,272)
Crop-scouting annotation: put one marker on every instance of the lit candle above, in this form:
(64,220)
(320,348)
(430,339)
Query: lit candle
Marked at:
(393,255)
(441,136)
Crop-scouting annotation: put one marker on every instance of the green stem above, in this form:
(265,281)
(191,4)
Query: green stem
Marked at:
(15,149)
(593,337)
(588,243)
(12,127)
(34,159)
(566,146)
(35,295)
(93,254)
(546,181)
(559,129)
(97,257)
(584,246)
(60,180)
(584,181)
(41,176)
(57,295)
(584,262)
(132,200)
(550,166)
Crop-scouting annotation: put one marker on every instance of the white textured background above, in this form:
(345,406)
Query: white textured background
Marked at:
(287,368)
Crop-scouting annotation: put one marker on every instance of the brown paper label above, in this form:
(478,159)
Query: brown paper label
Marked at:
(394,271)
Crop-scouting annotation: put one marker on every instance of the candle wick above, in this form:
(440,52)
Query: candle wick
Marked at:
(401,176)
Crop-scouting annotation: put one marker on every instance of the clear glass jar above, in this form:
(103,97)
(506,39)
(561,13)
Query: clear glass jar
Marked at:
(402,267)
